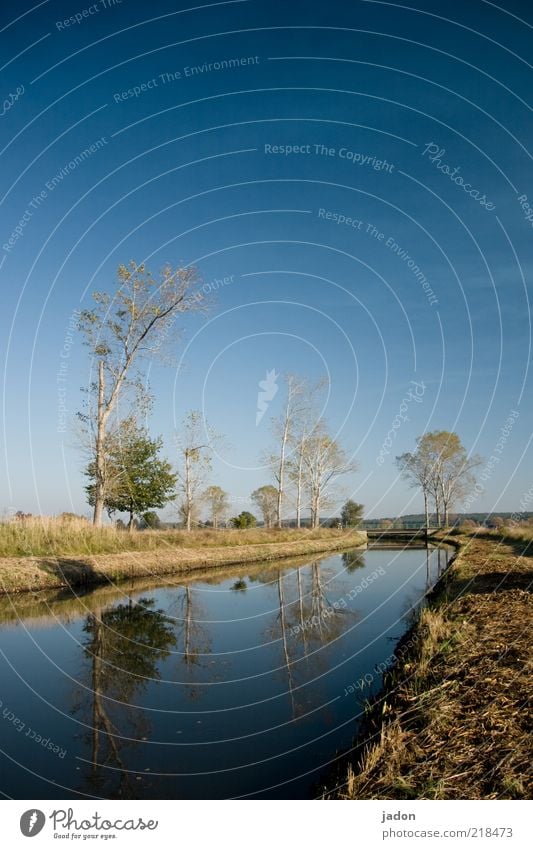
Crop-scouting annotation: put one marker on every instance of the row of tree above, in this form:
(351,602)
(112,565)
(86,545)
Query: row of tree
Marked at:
(125,470)
(442,469)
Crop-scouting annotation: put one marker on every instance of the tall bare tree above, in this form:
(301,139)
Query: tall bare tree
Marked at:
(303,425)
(442,469)
(196,441)
(266,499)
(324,462)
(417,469)
(122,328)
(283,430)
(455,469)
(217,502)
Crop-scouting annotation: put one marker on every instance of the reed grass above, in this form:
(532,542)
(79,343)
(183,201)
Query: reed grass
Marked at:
(48,536)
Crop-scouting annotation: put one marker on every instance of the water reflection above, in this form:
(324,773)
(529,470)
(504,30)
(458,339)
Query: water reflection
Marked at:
(122,649)
(214,685)
(353,560)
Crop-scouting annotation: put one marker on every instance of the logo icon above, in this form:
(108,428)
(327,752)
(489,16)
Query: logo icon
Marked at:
(268,387)
(32,822)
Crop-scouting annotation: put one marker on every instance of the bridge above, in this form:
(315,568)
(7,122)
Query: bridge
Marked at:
(397,535)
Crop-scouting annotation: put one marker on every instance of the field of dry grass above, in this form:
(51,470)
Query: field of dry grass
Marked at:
(453,720)
(53,554)
(50,536)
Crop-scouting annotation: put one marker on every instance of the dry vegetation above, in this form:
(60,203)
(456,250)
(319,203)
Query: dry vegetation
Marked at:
(45,553)
(453,719)
(49,536)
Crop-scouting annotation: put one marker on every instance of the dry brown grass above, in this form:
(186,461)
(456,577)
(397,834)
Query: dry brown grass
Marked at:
(153,553)
(53,536)
(452,721)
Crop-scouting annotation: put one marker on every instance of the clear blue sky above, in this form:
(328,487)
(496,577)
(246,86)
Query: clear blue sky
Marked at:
(187,172)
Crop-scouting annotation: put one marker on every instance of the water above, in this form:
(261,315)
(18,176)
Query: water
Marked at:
(244,683)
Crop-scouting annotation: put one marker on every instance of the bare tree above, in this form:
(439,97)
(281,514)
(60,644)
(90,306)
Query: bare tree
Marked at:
(283,430)
(303,425)
(324,462)
(442,469)
(218,504)
(417,470)
(195,446)
(122,329)
(266,499)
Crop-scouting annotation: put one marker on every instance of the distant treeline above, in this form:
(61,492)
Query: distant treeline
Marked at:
(414,520)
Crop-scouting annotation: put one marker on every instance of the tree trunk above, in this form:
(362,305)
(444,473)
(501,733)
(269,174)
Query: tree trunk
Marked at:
(99,487)
(426,509)
(299,488)
(187,490)
(130,523)
(316,509)
(281,470)
(281,475)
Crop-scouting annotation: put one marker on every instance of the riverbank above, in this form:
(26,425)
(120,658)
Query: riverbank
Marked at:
(21,574)
(451,721)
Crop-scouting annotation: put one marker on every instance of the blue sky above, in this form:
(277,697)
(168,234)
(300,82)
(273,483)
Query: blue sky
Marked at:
(192,167)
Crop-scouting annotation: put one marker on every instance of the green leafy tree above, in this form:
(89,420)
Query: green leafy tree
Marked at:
(352,514)
(244,520)
(151,520)
(137,478)
(266,500)
(122,328)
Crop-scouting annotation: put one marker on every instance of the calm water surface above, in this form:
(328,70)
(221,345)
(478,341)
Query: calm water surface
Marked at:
(234,685)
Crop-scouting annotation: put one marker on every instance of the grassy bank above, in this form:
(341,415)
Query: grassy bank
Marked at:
(84,556)
(51,536)
(452,719)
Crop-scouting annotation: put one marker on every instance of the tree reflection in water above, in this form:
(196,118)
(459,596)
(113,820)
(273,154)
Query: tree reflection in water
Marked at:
(352,560)
(123,647)
(306,622)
